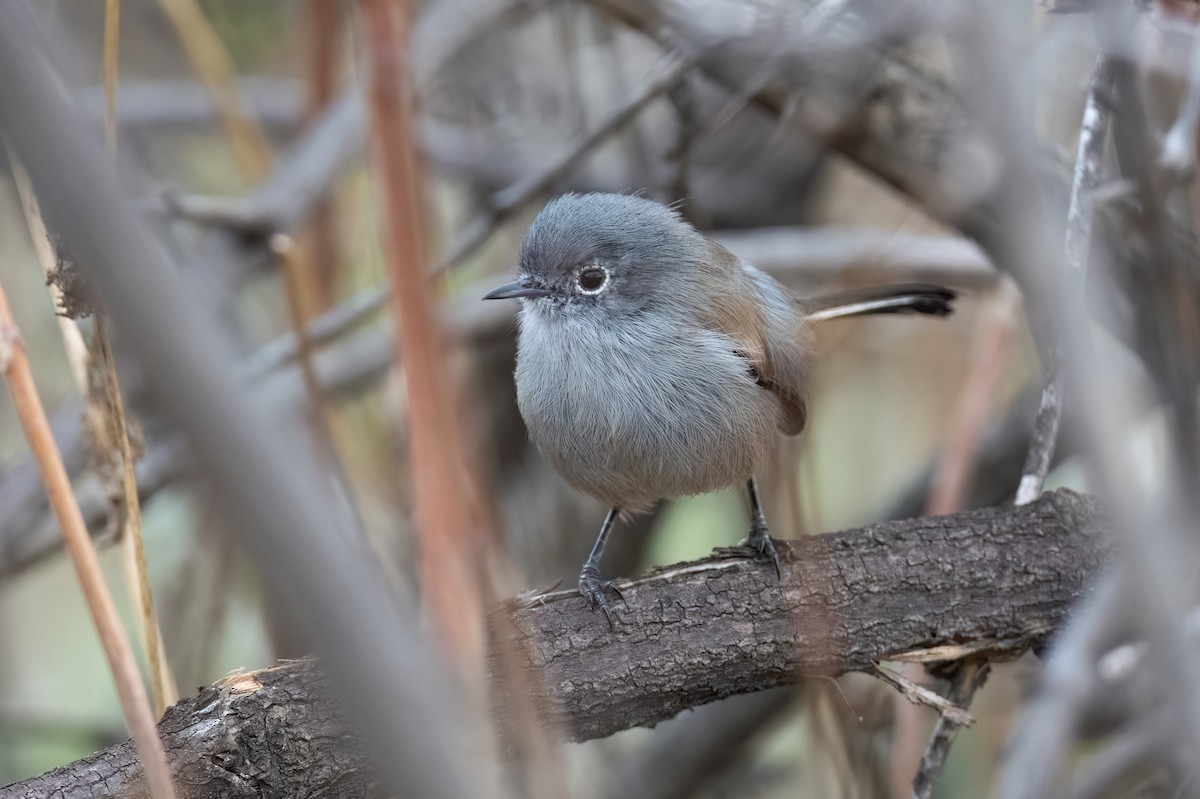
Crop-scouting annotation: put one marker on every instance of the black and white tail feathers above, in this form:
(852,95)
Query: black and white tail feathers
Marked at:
(921,298)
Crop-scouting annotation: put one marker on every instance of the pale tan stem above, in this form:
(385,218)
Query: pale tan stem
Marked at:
(36,427)
(210,60)
(162,681)
(73,343)
(137,575)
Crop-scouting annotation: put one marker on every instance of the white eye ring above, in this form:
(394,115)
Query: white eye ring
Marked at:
(599,287)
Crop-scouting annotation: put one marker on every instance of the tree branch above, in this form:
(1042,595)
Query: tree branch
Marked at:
(990,583)
(926,589)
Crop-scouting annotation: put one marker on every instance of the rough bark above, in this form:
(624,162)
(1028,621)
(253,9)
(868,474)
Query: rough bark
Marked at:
(270,733)
(993,581)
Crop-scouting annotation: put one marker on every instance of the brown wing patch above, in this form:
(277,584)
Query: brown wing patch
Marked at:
(795,413)
(732,307)
(736,310)
(794,407)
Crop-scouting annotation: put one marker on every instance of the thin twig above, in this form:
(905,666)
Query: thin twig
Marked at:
(968,677)
(73,344)
(284,246)
(292,264)
(251,149)
(450,521)
(323,19)
(1089,156)
(949,707)
(100,408)
(132,693)
(162,682)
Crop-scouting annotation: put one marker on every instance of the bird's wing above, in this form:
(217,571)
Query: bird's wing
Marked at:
(759,314)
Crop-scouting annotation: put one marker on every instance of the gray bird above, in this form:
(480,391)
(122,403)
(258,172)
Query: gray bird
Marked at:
(653,363)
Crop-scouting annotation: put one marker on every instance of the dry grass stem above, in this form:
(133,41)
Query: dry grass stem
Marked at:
(292,263)
(324,31)
(162,682)
(121,660)
(214,68)
(101,410)
(73,343)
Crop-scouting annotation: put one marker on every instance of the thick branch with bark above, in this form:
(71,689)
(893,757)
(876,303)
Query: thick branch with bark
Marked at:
(270,733)
(990,582)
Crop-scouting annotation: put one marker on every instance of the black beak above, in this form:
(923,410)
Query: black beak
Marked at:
(518,289)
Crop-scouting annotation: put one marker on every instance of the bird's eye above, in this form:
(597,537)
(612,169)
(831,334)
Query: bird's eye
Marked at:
(592,279)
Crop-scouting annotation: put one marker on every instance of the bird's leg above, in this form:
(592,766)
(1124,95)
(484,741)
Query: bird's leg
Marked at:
(592,586)
(760,536)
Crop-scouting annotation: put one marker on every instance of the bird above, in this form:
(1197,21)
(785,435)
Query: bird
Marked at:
(653,363)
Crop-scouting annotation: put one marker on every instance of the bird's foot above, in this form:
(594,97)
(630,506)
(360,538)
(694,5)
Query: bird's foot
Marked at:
(760,544)
(594,589)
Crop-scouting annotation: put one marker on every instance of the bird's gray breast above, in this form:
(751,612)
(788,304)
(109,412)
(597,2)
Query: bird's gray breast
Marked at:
(641,410)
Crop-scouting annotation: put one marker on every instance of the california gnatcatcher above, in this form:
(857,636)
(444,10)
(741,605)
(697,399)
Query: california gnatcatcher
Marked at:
(653,363)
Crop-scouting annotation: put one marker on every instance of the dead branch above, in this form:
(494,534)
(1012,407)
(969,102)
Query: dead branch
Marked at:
(969,676)
(1093,135)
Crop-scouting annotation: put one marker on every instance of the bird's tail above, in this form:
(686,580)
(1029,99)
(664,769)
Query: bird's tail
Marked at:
(922,298)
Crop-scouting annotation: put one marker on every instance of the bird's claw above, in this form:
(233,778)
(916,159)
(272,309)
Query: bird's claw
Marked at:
(759,542)
(594,588)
